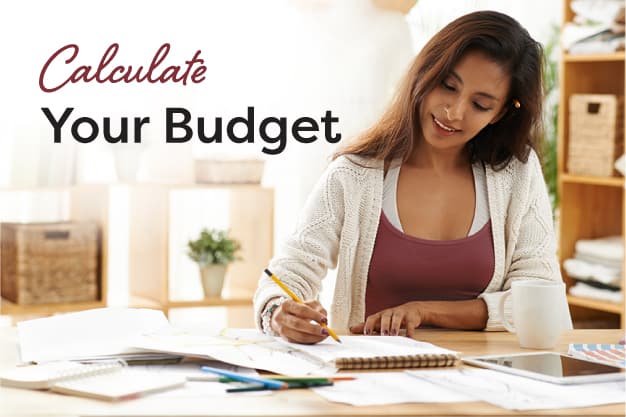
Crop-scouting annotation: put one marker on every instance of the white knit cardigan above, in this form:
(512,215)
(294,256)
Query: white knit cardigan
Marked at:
(338,226)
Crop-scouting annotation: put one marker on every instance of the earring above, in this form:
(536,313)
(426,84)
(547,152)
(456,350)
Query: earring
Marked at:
(516,104)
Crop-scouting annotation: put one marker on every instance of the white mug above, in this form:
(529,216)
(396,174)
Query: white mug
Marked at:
(538,312)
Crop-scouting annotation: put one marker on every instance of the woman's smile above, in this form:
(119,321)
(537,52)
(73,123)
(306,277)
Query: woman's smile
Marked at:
(443,129)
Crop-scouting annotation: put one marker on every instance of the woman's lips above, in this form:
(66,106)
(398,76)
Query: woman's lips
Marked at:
(443,128)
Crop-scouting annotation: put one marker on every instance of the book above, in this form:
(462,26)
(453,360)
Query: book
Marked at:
(611,354)
(110,381)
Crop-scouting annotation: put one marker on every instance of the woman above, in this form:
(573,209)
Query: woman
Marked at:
(432,213)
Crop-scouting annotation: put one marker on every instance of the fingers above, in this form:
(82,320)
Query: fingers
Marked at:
(413,320)
(396,324)
(378,323)
(311,310)
(372,324)
(296,336)
(297,322)
(412,324)
(385,322)
(357,328)
(389,322)
(315,305)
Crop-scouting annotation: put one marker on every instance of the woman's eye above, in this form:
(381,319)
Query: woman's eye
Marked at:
(448,86)
(481,108)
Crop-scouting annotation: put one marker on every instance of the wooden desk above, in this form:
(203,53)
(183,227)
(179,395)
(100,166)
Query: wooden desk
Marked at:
(16,402)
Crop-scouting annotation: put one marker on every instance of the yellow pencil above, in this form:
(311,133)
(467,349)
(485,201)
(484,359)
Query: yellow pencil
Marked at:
(298,300)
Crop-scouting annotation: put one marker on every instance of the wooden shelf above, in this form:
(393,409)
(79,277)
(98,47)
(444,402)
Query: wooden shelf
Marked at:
(615,56)
(599,305)
(7,307)
(590,207)
(604,181)
(211,302)
(142,302)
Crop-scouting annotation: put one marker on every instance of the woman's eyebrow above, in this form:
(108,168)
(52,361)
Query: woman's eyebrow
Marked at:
(480,93)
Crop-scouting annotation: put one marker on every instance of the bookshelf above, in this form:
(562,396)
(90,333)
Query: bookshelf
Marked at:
(590,207)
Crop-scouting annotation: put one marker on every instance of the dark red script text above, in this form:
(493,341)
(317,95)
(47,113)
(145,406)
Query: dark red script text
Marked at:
(193,70)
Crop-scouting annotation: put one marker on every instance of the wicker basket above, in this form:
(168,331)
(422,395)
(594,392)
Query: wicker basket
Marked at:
(44,263)
(212,171)
(596,133)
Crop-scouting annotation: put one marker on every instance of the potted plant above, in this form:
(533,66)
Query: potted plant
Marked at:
(213,250)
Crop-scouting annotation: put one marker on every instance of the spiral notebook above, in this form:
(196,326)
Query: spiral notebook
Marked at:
(379,352)
(252,349)
(112,381)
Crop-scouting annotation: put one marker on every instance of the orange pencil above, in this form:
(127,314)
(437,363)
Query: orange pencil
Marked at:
(298,300)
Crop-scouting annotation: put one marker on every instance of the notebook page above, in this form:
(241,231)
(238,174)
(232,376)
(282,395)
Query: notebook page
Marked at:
(369,347)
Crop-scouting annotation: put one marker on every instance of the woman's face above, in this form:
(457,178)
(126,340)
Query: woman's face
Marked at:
(473,95)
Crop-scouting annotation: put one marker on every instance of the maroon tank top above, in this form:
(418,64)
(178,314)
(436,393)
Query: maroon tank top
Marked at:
(404,268)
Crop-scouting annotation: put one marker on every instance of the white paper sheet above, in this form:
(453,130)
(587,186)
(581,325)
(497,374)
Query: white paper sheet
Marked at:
(250,348)
(518,393)
(200,384)
(242,347)
(369,347)
(191,370)
(203,389)
(381,388)
(90,333)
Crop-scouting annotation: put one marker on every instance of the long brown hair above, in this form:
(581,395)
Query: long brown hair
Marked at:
(505,42)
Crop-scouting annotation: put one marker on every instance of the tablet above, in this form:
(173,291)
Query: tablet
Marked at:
(550,367)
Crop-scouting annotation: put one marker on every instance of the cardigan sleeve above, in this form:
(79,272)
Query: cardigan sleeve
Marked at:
(534,255)
(311,249)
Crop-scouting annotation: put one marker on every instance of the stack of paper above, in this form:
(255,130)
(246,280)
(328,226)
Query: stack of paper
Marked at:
(519,393)
(92,334)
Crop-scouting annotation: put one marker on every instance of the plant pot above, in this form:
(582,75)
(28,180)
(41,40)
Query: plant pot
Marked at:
(212,277)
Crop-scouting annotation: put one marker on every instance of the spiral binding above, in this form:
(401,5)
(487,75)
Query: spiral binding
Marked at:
(82,370)
(45,375)
(406,361)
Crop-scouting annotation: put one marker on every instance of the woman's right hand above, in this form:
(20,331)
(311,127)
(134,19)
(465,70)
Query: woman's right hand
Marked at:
(300,322)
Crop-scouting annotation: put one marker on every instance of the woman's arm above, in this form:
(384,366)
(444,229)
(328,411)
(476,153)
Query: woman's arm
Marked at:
(531,245)
(462,315)
(308,252)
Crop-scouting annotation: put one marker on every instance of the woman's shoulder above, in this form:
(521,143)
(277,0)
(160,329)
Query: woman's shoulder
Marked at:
(517,170)
(352,175)
(355,165)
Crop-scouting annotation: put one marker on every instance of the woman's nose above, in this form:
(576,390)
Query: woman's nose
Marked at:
(454,111)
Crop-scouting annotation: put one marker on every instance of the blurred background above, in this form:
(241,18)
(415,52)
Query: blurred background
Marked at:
(286,58)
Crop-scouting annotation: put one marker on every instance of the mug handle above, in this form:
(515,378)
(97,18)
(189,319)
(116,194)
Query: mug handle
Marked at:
(507,325)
